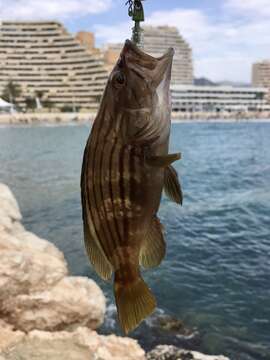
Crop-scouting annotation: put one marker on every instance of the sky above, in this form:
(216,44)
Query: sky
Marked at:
(226,36)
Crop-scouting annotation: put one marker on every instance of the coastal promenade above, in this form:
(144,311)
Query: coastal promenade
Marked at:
(81,118)
(46,118)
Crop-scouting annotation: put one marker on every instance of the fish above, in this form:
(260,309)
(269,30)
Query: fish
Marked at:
(125,168)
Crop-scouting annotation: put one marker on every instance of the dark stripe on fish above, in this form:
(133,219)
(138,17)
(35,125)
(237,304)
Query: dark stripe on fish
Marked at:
(115,191)
(113,185)
(94,203)
(122,184)
(110,242)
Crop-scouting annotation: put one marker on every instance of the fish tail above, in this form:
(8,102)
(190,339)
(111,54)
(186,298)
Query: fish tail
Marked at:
(134,301)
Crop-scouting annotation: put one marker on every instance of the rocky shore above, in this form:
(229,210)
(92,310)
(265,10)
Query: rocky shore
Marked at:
(47,314)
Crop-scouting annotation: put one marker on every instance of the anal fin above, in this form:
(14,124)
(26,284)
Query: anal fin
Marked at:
(172,186)
(153,247)
(96,256)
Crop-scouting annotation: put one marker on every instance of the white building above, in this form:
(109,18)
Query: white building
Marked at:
(157,40)
(261,75)
(218,98)
(41,56)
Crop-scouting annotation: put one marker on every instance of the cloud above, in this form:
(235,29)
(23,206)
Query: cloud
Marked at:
(224,46)
(113,33)
(224,43)
(249,7)
(50,9)
(189,21)
(230,67)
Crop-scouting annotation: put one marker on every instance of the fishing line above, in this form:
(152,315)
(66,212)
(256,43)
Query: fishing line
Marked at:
(136,12)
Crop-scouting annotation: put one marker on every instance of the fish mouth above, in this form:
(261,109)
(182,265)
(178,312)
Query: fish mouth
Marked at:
(160,66)
(132,47)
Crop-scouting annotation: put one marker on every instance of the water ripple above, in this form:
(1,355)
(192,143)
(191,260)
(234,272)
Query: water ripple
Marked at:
(216,272)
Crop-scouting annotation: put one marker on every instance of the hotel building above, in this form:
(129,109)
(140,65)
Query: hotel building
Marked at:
(218,98)
(43,56)
(157,40)
(261,75)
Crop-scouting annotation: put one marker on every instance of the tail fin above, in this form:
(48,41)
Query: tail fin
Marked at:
(134,303)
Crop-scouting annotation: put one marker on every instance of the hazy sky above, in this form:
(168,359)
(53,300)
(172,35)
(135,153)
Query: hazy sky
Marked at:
(226,36)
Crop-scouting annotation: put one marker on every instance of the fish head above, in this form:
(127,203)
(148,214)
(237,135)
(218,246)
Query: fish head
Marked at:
(139,85)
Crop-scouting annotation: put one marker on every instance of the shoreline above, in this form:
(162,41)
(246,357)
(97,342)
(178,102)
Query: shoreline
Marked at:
(60,119)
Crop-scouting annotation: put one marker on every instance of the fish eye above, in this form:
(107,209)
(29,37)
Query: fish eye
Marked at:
(119,79)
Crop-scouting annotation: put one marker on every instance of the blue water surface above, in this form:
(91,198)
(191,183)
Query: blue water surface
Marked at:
(216,274)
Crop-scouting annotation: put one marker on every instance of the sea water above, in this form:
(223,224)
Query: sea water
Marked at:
(216,274)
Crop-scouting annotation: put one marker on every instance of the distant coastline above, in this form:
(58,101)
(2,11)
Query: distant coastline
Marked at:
(84,118)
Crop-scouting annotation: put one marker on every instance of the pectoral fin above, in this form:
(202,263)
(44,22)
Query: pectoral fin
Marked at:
(172,186)
(163,160)
(153,247)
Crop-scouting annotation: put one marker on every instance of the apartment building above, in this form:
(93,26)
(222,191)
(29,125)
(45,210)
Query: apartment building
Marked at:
(192,98)
(261,75)
(157,40)
(45,57)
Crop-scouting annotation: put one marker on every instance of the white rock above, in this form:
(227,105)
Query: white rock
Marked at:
(5,221)
(9,337)
(23,272)
(82,344)
(9,241)
(9,209)
(168,352)
(200,356)
(35,291)
(32,242)
(72,302)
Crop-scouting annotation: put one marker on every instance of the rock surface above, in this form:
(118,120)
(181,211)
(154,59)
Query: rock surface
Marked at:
(46,314)
(72,302)
(8,336)
(81,344)
(36,294)
(165,352)
(35,289)
(9,209)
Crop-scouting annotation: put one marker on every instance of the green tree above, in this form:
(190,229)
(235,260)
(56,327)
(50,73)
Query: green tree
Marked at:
(67,108)
(40,94)
(48,104)
(30,103)
(11,92)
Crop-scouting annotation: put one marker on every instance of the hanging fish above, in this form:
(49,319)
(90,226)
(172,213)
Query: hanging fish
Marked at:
(125,168)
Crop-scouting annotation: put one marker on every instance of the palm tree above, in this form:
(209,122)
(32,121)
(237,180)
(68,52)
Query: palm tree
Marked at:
(48,104)
(30,103)
(11,92)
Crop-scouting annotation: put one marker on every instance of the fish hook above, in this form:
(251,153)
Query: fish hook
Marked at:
(135,10)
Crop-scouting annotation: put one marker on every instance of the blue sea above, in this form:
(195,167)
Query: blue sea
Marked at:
(216,274)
